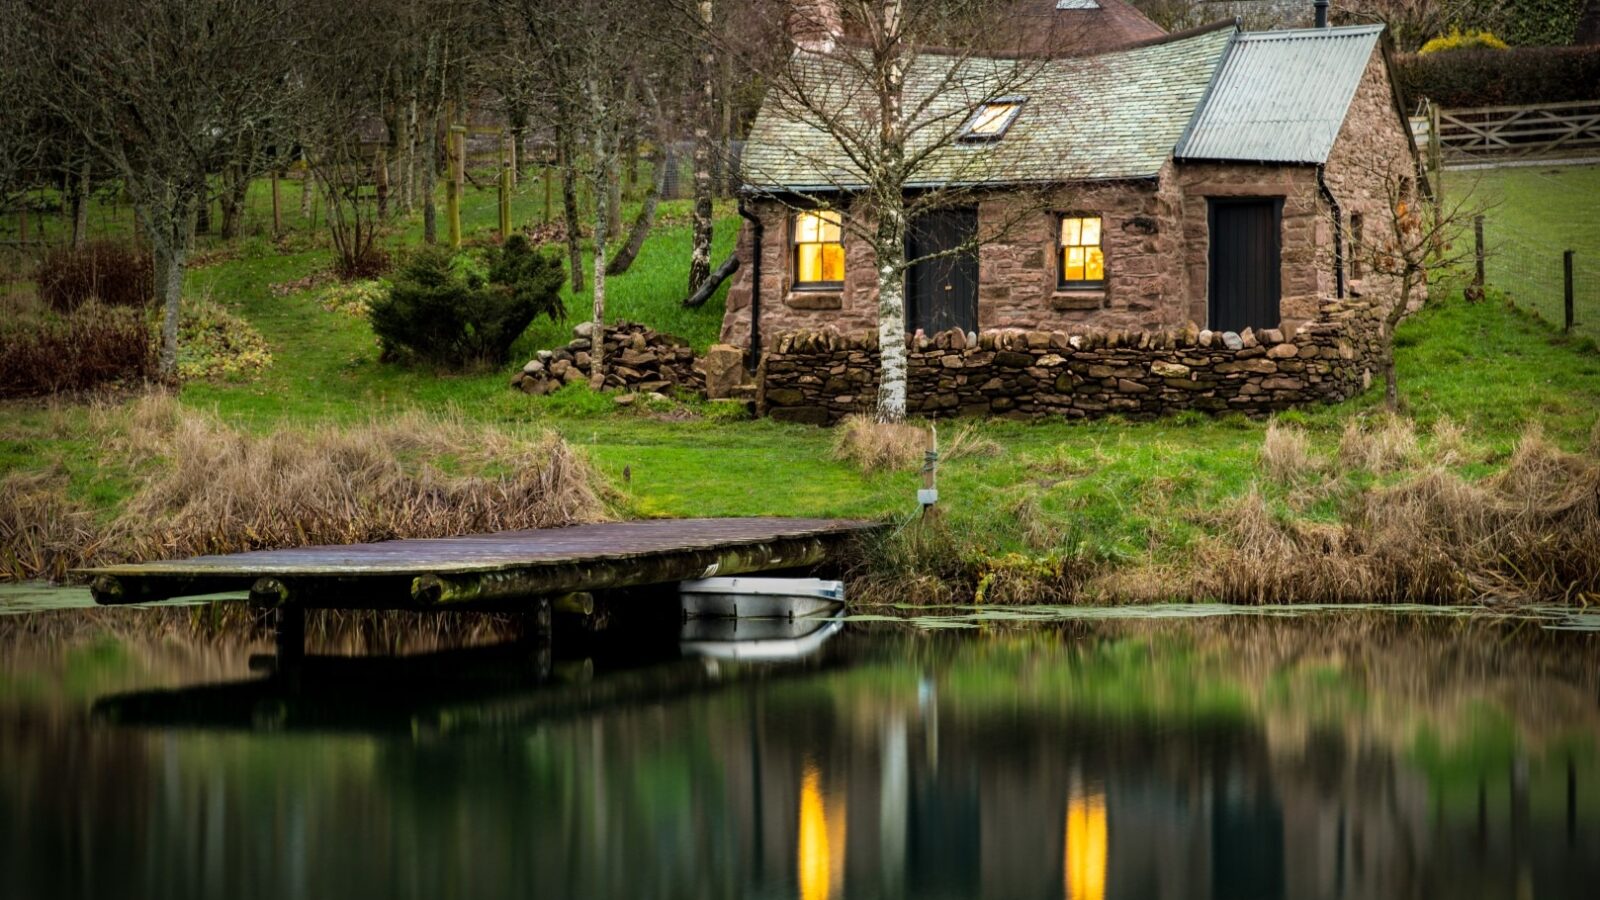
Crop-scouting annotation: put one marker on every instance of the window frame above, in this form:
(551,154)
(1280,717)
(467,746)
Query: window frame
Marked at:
(795,284)
(1358,228)
(1062,284)
(967,136)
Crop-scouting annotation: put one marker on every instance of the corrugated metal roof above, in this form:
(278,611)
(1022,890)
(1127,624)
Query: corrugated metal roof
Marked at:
(1116,115)
(1281,96)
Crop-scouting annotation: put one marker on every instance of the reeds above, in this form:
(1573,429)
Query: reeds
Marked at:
(213,488)
(1529,534)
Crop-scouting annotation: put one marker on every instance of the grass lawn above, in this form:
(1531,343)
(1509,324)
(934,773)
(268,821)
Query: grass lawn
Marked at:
(1535,214)
(1111,490)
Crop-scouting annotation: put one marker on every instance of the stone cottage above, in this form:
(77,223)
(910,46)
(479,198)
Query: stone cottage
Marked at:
(1211,180)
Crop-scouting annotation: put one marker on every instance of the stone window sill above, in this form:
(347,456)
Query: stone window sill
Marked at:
(814,300)
(1068,301)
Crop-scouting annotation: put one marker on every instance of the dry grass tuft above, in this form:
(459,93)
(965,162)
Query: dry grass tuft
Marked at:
(895,446)
(1286,455)
(874,445)
(1450,444)
(216,489)
(1529,534)
(1389,447)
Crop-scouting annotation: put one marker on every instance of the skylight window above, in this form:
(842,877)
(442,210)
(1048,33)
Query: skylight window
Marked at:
(1077,4)
(991,120)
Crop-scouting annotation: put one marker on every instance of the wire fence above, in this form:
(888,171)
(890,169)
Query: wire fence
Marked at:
(1535,211)
(1533,275)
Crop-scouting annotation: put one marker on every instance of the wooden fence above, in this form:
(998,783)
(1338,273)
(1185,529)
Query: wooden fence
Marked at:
(1513,135)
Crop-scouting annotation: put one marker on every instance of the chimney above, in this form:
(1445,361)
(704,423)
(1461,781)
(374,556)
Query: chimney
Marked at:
(815,25)
(1322,13)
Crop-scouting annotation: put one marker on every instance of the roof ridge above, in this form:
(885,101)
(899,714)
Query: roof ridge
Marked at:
(1288,33)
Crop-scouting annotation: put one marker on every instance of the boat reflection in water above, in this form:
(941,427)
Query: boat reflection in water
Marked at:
(1328,757)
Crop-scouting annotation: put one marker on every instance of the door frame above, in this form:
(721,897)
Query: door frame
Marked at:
(909,291)
(1212,204)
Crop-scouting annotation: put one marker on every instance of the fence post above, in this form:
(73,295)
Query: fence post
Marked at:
(1566,265)
(1436,163)
(1477,278)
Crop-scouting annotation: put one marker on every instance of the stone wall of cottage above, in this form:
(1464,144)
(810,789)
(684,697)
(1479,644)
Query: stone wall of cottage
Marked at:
(1018,267)
(1305,228)
(1374,146)
(819,377)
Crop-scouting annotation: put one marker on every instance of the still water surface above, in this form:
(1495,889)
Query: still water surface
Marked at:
(1328,755)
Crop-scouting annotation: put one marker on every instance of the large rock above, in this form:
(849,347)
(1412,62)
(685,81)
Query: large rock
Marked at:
(724,367)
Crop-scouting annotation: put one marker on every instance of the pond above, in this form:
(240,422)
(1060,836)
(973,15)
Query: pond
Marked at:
(1050,753)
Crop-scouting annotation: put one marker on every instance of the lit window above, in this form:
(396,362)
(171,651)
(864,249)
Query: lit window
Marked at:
(991,120)
(818,249)
(1083,260)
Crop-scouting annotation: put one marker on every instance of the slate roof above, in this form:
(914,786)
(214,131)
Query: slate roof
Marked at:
(1281,96)
(1113,116)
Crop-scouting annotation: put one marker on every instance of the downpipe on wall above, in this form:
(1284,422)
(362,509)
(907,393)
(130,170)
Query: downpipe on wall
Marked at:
(1338,231)
(757,233)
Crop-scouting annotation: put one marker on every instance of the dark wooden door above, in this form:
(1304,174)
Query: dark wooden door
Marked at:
(1245,264)
(943,292)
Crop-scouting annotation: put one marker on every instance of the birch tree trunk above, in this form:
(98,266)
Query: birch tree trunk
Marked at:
(890,244)
(890,247)
(700,254)
(605,177)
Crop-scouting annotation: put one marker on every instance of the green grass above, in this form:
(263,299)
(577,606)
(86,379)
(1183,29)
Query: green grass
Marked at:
(1109,489)
(1534,214)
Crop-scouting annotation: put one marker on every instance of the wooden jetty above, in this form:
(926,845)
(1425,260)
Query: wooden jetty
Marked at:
(509,570)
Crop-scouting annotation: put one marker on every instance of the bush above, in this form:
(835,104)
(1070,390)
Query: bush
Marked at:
(1521,75)
(115,274)
(215,343)
(453,311)
(1463,40)
(87,348)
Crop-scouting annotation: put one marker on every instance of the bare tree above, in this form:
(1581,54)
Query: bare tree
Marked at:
(346,62)
(872,78)
(596,54)
(161,90)
(1408,240)
(1413,23)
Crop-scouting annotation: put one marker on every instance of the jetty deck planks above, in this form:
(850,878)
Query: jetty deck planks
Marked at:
(496,570)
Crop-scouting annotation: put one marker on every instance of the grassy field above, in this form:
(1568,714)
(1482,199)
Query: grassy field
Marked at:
(1119,494)
(1533,215)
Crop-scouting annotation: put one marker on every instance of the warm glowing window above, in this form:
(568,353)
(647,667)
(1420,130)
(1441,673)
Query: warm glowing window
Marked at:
(818,249)
(1083,260)
(991,120)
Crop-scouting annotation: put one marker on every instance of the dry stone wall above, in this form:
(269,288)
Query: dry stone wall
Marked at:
(636,359)
(819,377)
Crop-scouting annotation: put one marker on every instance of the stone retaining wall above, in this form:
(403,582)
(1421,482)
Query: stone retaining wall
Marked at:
(819,377)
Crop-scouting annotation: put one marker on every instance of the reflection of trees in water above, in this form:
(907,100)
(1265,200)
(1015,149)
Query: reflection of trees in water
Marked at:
(1215,758)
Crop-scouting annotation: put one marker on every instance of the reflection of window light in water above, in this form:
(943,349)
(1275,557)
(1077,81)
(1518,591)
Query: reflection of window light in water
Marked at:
(1086,848)
(821,848)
